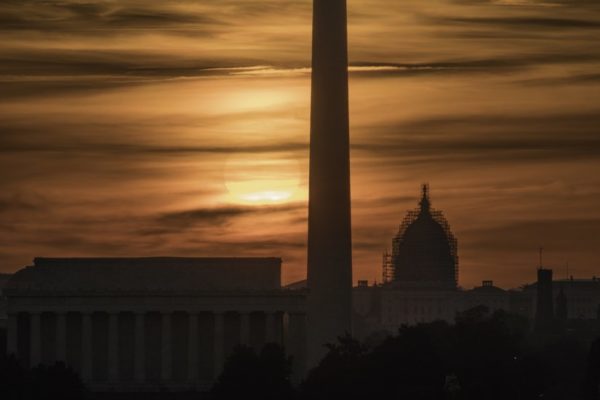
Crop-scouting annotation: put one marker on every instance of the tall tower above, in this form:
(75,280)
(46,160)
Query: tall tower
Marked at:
(329,226)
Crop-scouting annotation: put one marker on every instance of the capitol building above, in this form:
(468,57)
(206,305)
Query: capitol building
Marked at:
(420,283)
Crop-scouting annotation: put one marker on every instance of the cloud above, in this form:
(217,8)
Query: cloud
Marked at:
(110,17)
(454,138)
(88,73)
(125,149)
(129,43)
(526,22)
(486,138)
(251,246)
(561,235)
(16,203)
(180,220)
(115,63)
(574,78)
(529,3)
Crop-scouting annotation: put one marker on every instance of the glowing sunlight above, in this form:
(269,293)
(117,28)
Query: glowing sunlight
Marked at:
(259,179)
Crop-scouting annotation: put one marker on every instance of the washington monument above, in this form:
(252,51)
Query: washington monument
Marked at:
(329,225)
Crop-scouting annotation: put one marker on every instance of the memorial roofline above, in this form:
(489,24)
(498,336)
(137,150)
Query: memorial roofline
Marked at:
(153,261)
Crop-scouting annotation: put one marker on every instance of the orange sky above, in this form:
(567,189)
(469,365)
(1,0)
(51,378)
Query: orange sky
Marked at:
(137,128)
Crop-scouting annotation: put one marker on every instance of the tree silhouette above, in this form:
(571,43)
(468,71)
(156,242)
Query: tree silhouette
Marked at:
(246,374)
(339,374)
(483,356)
(40,383)
(591,385)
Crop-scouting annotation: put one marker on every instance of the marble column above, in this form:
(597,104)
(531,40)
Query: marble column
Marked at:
(296,344)
(61,337)
(165,373)
(269,327)
(139,349)
(279,328)
(86,344)
(36,342)
(244,328)
(193,348)
(219,342)
(113,347)
(12,335)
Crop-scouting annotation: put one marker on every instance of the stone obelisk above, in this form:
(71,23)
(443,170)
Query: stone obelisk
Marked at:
(329,225)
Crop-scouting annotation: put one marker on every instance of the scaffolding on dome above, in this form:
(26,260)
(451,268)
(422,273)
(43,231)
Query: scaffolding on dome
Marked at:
(388,266)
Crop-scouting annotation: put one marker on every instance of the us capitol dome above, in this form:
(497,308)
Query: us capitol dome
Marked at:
(424,251)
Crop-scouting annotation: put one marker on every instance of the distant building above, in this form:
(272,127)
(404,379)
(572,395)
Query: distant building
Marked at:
(419,276)
(424,251)
(493,297)
(579,297)
(385,308)
(544,310)
(3,281)
(420,284)
(145,324)
(3,316)
(562,312)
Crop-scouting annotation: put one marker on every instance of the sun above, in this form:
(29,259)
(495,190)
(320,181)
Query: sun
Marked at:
(262,179)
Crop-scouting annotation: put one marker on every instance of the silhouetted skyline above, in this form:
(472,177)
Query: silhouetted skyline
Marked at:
(129,129)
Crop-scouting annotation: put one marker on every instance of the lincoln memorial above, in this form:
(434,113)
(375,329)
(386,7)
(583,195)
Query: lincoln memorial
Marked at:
(151,323)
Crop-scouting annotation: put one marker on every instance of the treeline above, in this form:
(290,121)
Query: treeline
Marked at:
(39,383)
(482,356)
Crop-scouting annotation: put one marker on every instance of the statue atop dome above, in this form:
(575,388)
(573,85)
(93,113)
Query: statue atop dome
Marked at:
(425,203)
(424,251)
